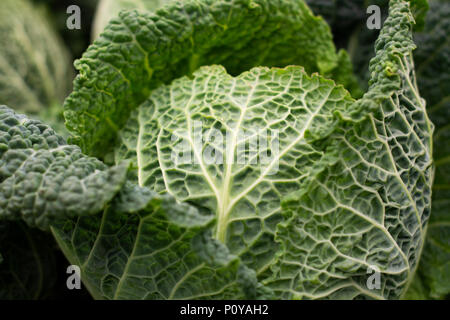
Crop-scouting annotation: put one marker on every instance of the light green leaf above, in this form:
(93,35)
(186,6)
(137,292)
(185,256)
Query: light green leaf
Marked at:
(42,178)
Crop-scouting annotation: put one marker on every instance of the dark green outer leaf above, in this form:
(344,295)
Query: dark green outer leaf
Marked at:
(42,178)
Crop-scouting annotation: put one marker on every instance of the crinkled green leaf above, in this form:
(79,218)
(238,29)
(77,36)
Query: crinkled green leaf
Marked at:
(153,248)
(366,205)
(138,52)
(42,178)
(35,70)
(432,61)
(54,117)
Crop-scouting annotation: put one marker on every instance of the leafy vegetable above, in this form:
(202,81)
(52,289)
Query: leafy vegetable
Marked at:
(359,185)
(372,144)
(246,163)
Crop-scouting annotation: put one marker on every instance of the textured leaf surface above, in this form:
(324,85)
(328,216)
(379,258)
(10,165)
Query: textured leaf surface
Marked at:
(138,52)
(248,203)
(42,178)
(149,247)
(35,70)
(367,204)
(433,60)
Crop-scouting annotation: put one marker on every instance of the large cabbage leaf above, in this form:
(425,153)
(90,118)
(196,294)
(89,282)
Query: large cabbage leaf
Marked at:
(366,206)
(347,19)
(285,105)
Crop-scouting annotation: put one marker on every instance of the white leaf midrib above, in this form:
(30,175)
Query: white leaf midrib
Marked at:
(226,185)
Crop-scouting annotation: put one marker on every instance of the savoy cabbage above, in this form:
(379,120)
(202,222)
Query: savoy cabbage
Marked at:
(340,184)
